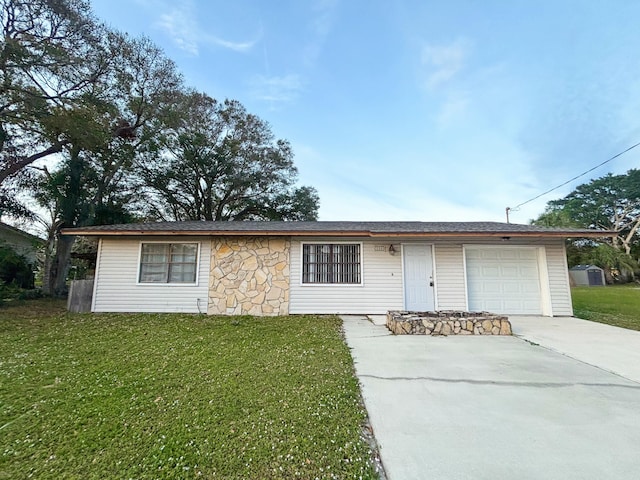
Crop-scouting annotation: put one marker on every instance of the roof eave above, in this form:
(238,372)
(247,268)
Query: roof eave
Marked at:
(281,233)
(560,234)
(245,233)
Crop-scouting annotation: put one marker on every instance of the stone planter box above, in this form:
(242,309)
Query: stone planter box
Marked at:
(447,323)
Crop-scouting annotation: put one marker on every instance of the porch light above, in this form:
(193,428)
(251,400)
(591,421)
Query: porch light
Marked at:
(392,250)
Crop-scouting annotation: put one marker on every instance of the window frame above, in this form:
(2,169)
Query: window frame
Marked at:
(169,284)
(339,285)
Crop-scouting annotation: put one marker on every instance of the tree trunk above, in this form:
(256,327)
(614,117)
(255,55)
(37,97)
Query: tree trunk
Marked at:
(49,253)
(48,263)
(60,266)
(68,212)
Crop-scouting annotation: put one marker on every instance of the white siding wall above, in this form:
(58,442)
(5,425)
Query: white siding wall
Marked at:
(451,290)
(116,288)
(381,289)
(559,280)
(382,275)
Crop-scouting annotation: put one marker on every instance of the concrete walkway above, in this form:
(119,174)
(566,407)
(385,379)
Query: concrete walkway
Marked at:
(495,407)
(613,349)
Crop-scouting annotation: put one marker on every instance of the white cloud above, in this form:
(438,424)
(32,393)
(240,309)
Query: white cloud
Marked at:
(236,46)
(324,19)
(181,25)
(277,89)
(322,22)
(443,62)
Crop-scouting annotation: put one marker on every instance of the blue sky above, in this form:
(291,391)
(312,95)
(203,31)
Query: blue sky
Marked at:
(418,110)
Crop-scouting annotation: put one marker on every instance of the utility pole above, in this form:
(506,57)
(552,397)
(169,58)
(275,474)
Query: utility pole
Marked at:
(506,210)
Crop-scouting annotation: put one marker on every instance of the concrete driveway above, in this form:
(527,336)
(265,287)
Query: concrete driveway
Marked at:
(613,349)
(494,407)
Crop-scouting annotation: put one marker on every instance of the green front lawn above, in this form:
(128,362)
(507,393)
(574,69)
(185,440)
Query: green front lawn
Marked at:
(176,396)
(617,305)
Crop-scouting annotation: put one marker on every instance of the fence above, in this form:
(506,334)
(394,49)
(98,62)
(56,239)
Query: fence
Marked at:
(80,296)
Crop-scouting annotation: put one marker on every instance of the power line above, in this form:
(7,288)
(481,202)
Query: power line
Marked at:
(570,180)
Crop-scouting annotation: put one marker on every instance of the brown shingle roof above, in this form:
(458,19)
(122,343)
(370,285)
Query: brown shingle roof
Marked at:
(369,229)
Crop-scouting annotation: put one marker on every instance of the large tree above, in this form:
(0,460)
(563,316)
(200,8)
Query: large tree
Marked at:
(52,53)
(219,162)
(113,114)
(106,128)
(76,193)
(611,202)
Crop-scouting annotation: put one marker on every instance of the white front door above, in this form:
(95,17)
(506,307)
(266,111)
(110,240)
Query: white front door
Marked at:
(418,278)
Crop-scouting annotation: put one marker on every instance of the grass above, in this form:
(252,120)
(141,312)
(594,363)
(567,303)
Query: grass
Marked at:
(617,305)
(176,396)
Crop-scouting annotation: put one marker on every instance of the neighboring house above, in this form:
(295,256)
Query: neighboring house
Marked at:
(21,242)
(277,268)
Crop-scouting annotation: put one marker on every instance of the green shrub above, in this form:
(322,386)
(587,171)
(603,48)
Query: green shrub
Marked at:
(15,269)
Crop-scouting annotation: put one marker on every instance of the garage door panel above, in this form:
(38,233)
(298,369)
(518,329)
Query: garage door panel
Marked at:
(510,271)
(503,280)
(489,306)
(491,288)
(505,255)
(528,254)
(531,305)
(533,288)
(529,271)
(511,288)
(490,271)
(510,305)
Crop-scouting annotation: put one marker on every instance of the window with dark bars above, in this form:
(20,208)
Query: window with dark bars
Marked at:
(331,263)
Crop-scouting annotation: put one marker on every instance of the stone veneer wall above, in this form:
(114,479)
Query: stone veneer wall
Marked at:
(249,276)
(447,323)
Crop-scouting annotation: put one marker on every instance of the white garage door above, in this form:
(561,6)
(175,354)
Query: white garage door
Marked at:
(503,280)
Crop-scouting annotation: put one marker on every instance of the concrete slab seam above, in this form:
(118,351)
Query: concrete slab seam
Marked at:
(551,349)
(505,384)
